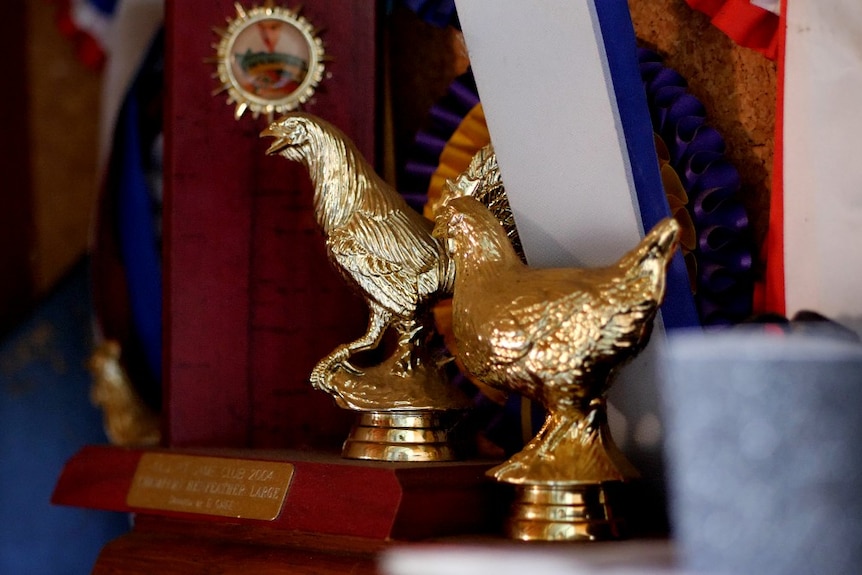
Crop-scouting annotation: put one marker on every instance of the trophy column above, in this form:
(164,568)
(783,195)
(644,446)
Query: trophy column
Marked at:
(251,303)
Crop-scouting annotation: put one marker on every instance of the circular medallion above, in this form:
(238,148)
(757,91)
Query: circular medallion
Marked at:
(270,60)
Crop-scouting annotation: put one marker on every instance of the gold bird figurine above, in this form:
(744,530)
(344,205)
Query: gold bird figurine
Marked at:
(384,249)
(128,421)
(553,335)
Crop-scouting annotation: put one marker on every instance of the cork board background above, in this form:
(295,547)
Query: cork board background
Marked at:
(63,112)
(736,85)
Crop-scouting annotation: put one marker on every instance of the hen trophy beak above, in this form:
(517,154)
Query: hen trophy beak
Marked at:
(441,228)
(437,232)
(441,222)
(670,237)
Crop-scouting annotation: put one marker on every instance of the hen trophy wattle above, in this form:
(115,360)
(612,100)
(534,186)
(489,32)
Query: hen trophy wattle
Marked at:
(384,249)
(554,336)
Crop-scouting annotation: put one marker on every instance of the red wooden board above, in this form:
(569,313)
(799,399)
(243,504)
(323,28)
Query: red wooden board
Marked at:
(327,495)
(251,302)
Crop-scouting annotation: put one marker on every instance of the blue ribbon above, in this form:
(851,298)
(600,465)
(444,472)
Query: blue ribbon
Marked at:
(618,36)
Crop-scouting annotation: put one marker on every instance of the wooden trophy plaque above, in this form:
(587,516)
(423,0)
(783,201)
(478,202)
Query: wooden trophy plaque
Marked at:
(249,478)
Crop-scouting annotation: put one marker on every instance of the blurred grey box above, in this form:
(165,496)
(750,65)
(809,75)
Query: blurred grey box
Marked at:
(764,451)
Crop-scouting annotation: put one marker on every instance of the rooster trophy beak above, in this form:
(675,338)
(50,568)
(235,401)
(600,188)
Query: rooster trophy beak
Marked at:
(280,143)
(289,131)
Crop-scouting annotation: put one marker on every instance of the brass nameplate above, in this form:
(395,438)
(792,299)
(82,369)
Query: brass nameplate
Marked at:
(210,485)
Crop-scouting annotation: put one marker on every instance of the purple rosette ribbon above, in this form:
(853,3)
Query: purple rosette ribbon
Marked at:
(724,249)
(444,119)
(440,13)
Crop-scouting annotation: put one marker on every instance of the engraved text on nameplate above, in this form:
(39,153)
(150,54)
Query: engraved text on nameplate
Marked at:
(210,485)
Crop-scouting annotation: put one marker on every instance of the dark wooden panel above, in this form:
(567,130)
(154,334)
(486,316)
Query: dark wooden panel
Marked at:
(251,303)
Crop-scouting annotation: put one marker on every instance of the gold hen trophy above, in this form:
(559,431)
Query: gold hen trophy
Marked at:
(383,249)
(555,336)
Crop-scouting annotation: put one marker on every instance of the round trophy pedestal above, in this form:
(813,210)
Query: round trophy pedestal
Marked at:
(400,436)
(563,513)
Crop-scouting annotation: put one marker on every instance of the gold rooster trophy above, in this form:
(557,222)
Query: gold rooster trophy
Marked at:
(384,249)
(554,336)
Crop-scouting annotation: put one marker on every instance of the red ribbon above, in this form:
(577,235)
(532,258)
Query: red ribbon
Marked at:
(88,49)
(771,297)
(746,24)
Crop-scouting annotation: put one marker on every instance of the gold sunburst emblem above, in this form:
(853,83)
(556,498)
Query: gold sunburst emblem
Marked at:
(269,60)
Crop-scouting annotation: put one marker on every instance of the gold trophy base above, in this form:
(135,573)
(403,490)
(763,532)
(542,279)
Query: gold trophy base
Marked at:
(417,436)
(581,512)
